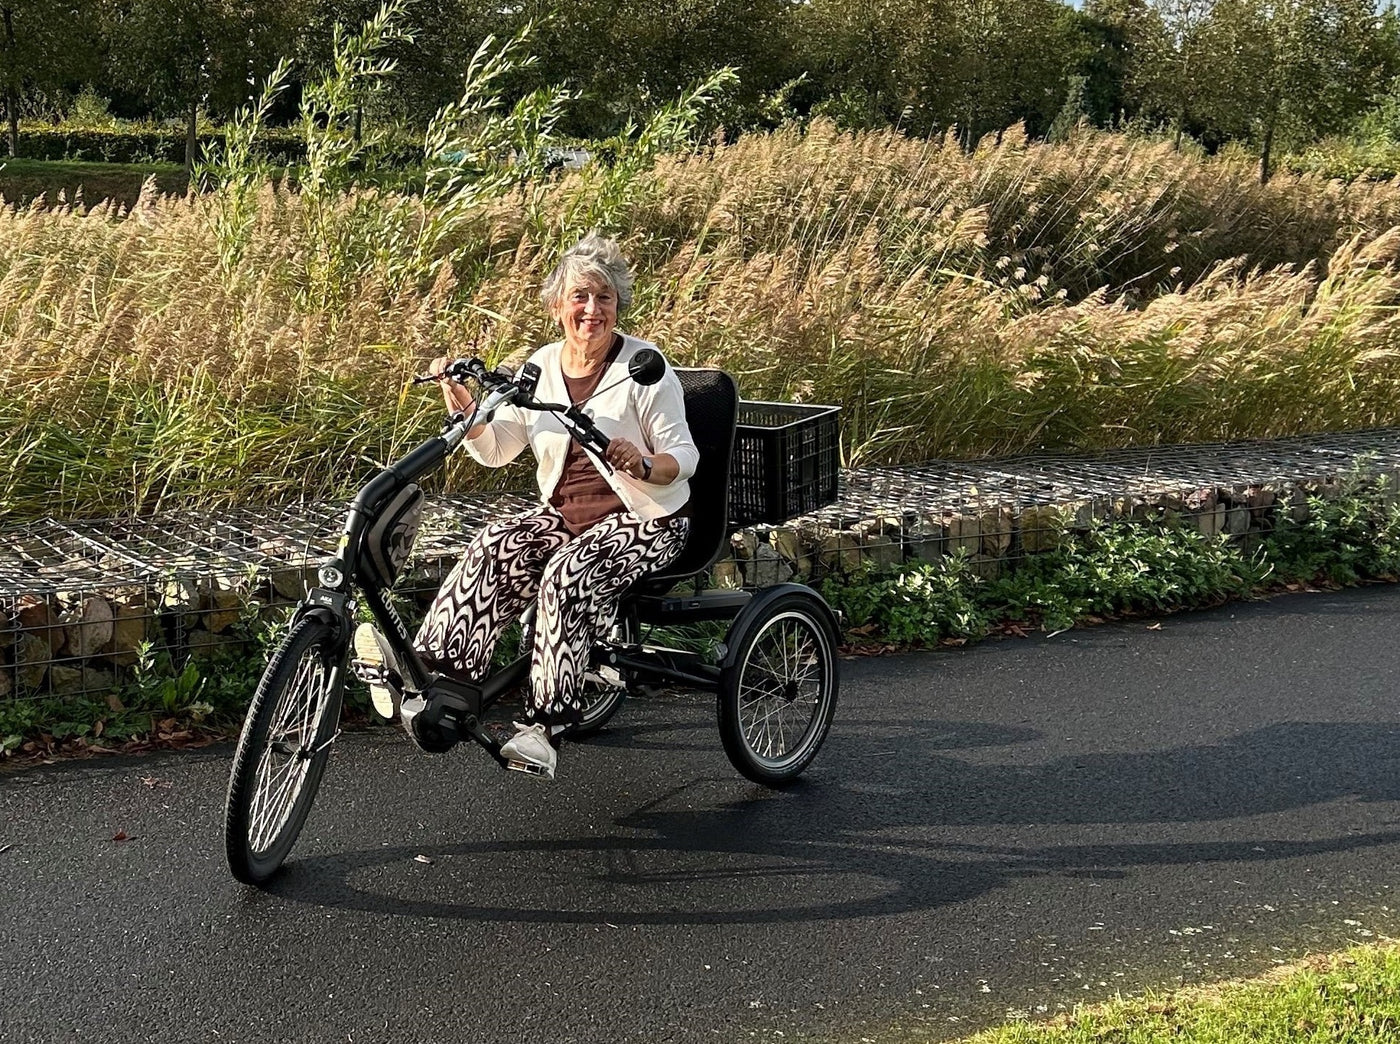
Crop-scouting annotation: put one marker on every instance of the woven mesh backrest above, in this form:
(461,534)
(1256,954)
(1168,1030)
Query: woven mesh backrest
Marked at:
(711,410)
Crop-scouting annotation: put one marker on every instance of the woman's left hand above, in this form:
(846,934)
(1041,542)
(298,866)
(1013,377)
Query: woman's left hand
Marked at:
(625,457)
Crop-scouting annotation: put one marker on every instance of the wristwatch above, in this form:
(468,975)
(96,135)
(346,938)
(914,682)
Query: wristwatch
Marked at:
(646,469)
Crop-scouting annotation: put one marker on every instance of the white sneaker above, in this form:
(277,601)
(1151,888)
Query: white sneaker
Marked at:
(376,665)
(529,750)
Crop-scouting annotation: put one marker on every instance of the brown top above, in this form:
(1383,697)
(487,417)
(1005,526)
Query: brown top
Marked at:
(583,495)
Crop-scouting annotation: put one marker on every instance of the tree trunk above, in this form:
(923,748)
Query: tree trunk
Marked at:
(11,93)
(192,140)
(12,121)
(1266,147)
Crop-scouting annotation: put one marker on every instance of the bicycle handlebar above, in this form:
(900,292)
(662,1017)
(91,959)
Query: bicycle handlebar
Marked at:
(518,389)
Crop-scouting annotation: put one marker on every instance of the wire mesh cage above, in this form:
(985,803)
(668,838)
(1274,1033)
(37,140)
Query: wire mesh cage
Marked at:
(80,602)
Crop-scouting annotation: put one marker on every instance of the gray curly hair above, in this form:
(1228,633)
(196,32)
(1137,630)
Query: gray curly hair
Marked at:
(594,257)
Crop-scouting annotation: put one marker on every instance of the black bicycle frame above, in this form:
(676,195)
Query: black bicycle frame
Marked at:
(455,705)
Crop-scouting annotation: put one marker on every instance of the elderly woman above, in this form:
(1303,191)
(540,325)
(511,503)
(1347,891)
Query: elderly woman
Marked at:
(592,534)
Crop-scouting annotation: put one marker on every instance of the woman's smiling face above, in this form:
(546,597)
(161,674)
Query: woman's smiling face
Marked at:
(588,314)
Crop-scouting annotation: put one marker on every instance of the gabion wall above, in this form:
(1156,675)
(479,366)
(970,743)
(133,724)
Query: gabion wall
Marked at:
(79,600)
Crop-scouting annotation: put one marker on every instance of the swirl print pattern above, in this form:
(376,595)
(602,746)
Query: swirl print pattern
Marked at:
(578,599)
(490,587)
(576,583)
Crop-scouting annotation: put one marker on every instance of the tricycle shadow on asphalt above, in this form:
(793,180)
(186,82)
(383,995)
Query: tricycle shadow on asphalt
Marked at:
(871,837)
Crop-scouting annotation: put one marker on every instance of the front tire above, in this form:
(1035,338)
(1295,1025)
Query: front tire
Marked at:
(282,750)
(778,686)
(606,687)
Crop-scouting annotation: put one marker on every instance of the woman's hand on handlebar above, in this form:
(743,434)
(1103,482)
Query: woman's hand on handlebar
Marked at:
(457,397)
(626,457)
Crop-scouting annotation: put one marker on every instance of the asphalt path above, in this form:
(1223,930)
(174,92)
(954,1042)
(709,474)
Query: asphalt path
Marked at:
(1002,830)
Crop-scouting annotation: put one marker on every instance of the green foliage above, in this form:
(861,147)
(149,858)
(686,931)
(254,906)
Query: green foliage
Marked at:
(477,150)
(916,606)
(614,184)
(146,143)
(1350,536)
(1127,567)
(1353,996)
(236,173)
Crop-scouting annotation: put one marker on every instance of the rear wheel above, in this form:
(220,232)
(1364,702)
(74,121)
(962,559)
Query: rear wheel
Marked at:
(777,692)
(283,749)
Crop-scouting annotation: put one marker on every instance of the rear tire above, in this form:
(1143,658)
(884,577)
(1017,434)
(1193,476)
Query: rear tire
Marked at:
(777,692)
(282,750)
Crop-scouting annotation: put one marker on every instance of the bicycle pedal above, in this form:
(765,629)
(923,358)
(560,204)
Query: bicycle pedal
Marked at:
(369,673)
(529,769)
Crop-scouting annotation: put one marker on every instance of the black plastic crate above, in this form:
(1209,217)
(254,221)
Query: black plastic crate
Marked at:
(786,459)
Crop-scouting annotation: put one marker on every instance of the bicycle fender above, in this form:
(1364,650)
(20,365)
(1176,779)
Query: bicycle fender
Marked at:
(758,607)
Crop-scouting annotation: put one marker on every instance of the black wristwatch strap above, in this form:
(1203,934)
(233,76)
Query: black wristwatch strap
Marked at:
(646,469)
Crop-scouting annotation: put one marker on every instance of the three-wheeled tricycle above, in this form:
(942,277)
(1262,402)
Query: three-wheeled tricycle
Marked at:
(775,672)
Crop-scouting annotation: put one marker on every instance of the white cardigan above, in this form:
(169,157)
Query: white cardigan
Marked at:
(651,417)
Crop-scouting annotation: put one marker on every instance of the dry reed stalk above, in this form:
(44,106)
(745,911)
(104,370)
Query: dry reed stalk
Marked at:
(1102,292)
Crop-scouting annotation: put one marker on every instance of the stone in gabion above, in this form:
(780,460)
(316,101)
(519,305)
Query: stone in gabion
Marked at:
(986,567)
(32,656)
(766,568)
(1041,528)
(221,609)
(998,526)
(65,680)
(839,551)
(179,598)
(132,624)
(88,625)
(38,616)
(788,542)
(1210,520)
(926,538)
(964,533)
(1298,508)
(882,540)
(1236,520)
(726,575)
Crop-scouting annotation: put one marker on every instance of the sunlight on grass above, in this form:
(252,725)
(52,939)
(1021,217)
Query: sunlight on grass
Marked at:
(1349,996)
(1102,292)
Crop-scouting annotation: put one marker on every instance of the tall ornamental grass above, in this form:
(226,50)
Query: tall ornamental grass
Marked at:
(253,343)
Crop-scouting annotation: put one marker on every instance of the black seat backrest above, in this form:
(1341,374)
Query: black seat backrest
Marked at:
(711,411)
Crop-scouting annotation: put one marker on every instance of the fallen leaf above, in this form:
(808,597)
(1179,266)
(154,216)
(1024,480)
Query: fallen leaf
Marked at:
(1154,627)
(153,782)
(422,859)
(120,835)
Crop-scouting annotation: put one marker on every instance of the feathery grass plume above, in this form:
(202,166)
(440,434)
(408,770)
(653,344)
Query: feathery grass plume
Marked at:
(1100,292)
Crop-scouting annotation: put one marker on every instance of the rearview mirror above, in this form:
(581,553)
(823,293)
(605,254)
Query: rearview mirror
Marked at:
(647,366)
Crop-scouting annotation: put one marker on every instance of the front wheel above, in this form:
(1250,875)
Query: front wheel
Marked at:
(778,686)
(282,750)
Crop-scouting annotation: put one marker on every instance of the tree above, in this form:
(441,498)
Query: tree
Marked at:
(43,44)
(183,54)
(1299,69)
(1007,64)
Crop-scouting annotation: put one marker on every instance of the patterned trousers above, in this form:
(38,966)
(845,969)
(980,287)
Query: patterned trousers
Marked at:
(575,583)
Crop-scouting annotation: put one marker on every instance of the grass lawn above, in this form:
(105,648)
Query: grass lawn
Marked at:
(1349,996)
(23,180)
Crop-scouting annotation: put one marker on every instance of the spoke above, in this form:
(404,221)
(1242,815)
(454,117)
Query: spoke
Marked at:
(780,687)
(286,759)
